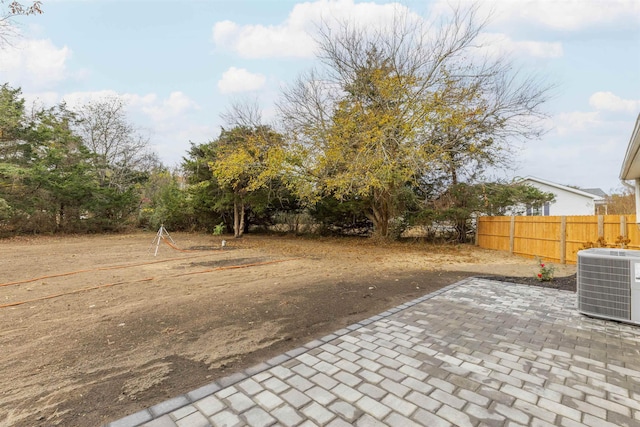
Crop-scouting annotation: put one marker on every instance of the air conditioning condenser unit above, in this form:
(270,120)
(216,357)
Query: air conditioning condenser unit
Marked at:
(609,284)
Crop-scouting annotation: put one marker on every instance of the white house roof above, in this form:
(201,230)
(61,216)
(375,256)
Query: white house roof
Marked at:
(583,193)
(631,164)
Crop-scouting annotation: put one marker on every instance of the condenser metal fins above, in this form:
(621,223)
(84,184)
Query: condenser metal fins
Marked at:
(608,284)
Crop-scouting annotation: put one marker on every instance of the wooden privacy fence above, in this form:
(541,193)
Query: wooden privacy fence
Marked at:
(556,238)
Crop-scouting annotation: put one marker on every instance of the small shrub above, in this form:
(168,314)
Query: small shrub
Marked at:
(218,229)
(546,272)
(600,243)
(623,241)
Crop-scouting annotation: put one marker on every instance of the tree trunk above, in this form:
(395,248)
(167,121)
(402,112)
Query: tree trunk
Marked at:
(461,229)
(60,218)
(380,216)
(238,217)
(242,222)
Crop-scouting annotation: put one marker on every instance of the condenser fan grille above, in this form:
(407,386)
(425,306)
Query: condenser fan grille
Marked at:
(603,287)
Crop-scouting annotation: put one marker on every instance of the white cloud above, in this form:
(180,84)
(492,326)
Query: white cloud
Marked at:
(34,63)
(293,37)
(165,120)
(587,150)
(240,80)
(496,44)
(76,99)
(575,121)
(258,41)
(566,15)
(150,106)
(41,99)
(607,101)
(224,32)
(177,104)
(575,15)
(171,142)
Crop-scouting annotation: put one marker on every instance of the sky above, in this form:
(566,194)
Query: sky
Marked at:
(179,65)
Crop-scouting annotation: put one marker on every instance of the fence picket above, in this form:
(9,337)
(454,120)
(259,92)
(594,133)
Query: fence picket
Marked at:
(557,238)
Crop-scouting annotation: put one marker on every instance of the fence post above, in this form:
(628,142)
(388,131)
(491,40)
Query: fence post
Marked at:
(623,230)
(563,239)
(600,227)
(512,234)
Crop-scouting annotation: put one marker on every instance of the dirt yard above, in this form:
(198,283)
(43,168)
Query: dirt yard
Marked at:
(123,330)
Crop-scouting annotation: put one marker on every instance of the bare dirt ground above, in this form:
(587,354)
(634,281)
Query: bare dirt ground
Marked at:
(107,342)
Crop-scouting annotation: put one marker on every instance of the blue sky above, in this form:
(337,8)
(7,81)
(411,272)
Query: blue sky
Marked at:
(180,64)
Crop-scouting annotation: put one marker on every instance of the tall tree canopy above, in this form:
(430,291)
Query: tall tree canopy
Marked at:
(45,178)
(121,152)
(395,106)
(55,178)
(245,161)
(462,203)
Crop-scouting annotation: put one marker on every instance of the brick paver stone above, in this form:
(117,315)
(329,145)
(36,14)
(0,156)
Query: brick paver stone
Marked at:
(226,418)
(317,413)
(209,405)
(345,410)
(258,417)
(193,420)
(287,416)
(478,353)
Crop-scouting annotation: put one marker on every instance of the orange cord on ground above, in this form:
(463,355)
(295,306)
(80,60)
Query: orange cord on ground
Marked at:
(148,279)
(72,292)
(113,267)
(171,245)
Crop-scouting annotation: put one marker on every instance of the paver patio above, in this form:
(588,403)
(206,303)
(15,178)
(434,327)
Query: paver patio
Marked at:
(476,353)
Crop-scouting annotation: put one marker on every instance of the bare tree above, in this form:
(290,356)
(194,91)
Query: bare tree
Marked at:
(391,105)
(243,113)
(120,151)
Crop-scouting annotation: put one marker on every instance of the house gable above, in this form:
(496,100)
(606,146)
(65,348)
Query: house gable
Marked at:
(568,200)
(631,164)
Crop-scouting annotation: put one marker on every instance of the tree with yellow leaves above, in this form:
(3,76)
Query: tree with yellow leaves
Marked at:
(246,159)
(393,107)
